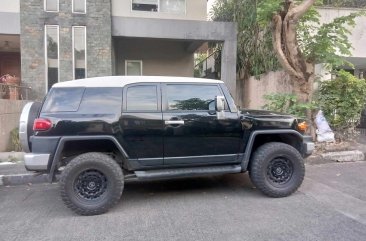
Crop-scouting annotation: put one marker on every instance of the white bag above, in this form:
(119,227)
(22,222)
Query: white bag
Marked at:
(324,132)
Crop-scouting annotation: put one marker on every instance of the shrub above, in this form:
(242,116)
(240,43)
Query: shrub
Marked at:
(287,103)
(342,101)
(14,144)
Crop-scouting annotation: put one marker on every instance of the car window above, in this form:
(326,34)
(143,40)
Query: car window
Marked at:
(192,97)
(101,100)
(63,100)
(142,98)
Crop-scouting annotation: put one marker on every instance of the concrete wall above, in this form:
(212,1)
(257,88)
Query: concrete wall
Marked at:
(9,6)
(225,32)
(195,10)
(272,82)
(9,17)
(358,36)
(159,57)
(9,119)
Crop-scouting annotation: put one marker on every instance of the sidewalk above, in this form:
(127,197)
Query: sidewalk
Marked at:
(13,172)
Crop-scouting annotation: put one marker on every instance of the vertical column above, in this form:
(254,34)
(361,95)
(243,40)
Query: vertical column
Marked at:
(228,66)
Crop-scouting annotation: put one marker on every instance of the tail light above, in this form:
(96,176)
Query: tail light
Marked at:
(42,124)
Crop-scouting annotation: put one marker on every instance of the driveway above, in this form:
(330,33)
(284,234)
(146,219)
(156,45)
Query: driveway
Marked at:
(330,205)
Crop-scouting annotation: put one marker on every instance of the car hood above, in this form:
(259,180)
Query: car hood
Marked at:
(263,119)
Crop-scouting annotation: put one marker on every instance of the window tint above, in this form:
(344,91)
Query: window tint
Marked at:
(101,100)
(52,58)
(145,5)
(78,6)
(63,99)
(79,38)
(133,67)
(142,97)
(51,5)
(192,97)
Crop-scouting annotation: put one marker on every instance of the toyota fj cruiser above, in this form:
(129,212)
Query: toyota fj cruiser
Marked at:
(96,133)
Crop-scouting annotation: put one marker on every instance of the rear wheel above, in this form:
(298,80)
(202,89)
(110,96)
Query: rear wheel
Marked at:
(91,183)
(277,169)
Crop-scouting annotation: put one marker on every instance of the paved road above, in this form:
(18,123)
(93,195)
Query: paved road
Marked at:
(331,205)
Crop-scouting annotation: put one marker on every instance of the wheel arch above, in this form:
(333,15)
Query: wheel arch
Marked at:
(260,137)
(66,142)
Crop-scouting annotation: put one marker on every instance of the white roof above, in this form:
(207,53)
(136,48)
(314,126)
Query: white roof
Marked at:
(120,81)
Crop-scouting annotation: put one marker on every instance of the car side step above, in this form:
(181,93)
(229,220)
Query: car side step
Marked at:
(186,172)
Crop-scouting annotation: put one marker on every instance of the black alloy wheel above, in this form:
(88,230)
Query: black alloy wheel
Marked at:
(91,183)
(277,169)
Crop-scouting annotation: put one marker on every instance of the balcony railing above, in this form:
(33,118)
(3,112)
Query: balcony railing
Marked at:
(14,92)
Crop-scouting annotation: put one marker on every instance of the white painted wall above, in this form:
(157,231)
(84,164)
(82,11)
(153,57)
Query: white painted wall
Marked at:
(195,10)
(11,6)
(358,37)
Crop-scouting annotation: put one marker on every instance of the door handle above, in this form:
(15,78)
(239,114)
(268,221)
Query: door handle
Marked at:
(174,122)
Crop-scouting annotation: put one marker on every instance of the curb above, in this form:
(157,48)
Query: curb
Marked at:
(344,156)
(21,179)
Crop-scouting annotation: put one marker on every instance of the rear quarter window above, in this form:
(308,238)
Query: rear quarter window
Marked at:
(63,100)
(101,100)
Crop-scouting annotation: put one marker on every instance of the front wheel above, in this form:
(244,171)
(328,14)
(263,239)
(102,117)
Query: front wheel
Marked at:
(277,169)
(91,183)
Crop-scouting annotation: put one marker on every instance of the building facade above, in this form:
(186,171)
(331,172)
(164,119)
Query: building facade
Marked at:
(59,40)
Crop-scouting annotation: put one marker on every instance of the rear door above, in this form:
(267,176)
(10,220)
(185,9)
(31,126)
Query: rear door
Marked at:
(141,123)
(192,132)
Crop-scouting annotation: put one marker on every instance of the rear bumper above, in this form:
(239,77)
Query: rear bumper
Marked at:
(308,146)
(36,162)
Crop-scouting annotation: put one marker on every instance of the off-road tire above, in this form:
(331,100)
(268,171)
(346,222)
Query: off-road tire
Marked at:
(261,164)
(99,163)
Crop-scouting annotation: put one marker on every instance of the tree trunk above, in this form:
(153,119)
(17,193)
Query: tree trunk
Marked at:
(286,46)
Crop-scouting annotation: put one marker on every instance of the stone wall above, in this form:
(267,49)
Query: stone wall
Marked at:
(10,111)
(33,19)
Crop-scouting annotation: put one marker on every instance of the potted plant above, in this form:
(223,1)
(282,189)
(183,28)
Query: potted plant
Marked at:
(12,92)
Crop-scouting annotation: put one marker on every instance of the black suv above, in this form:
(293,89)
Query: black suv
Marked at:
(98,132)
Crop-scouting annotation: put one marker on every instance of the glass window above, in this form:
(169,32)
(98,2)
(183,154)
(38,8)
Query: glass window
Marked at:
(145,5)
(79,51)
(142,97)
(51,5)
(192,97)
(63,99)
(52,58)
(101,100)
(172,6)
(133,67)
(79,6)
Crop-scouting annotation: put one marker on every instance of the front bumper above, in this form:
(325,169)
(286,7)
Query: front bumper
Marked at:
(308,146)
(36,162)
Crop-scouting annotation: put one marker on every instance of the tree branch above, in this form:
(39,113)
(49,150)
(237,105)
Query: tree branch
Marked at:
(297,12)
(277,45)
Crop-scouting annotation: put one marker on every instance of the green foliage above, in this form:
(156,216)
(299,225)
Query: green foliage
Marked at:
(255,52)
(342,101)
(14,144)
(330,42)
(319,43)
(287,103)
(266,10)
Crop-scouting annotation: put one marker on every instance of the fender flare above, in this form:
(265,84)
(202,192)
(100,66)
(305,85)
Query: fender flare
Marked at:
(248,148)
(60,146)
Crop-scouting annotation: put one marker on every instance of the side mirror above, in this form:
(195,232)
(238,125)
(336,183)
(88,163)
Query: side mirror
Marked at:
(220,103)
(220,107)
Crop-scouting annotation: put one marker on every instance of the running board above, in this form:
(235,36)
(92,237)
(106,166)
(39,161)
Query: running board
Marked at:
(186,172)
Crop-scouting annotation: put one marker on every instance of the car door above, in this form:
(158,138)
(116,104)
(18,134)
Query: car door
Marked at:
(192,133)
(141,124)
